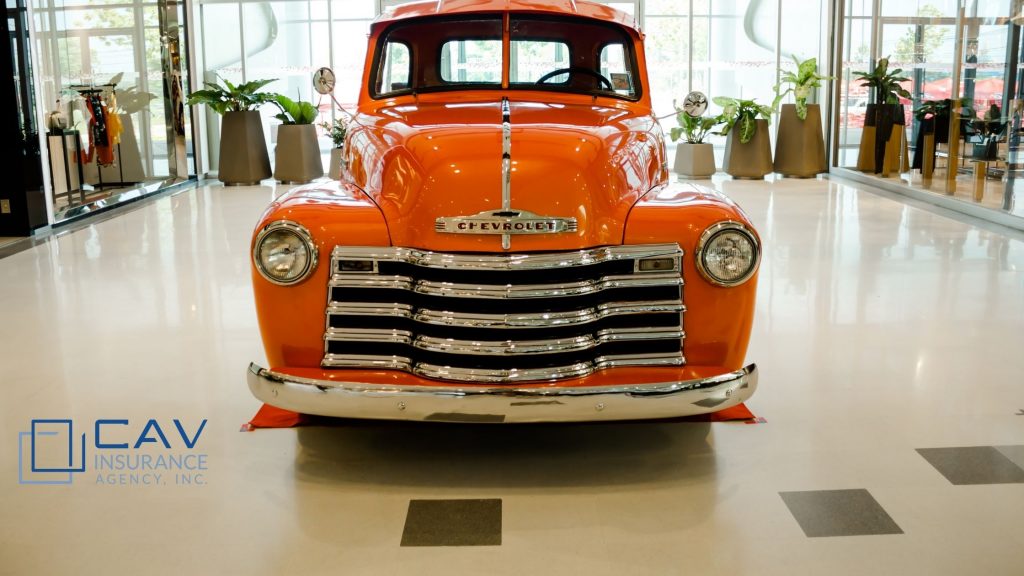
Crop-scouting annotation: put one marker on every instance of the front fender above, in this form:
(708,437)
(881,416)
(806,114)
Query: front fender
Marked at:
(717,320)
(291,318)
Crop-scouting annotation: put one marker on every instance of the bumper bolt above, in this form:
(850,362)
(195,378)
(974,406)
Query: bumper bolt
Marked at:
(401,405)
(600,406)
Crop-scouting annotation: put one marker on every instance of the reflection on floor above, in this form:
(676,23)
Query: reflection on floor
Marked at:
(87,196)
(888,339)
(4,240)
(1004,192)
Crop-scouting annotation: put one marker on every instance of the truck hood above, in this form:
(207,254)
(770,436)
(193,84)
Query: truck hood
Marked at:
(425,161)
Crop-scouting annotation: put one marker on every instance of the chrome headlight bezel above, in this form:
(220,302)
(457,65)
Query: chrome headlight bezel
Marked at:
(300,232)
(709,234)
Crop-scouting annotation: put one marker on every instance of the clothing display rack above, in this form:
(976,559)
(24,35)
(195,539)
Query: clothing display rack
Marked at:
(85,90)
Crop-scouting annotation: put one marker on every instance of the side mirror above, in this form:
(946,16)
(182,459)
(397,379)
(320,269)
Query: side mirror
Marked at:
(695,104)
(324,80)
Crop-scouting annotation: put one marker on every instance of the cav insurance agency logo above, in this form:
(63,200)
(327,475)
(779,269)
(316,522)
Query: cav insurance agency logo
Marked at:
(51,452)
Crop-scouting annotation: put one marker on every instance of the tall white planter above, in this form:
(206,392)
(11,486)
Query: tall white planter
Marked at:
(695,161)
(334,170)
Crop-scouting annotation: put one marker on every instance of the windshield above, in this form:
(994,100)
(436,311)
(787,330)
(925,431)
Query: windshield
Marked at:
(545,53)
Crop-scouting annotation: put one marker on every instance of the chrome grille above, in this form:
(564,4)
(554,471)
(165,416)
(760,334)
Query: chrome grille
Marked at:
(504,318)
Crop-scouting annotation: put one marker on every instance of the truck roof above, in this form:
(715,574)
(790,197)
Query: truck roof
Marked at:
(582,8)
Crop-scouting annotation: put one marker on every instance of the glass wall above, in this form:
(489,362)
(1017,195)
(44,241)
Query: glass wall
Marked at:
(101,69)
(285,41)
(729,47)
(960,107)
(720,47)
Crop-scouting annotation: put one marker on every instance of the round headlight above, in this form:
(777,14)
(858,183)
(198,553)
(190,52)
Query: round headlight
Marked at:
(727,254)
(284,252)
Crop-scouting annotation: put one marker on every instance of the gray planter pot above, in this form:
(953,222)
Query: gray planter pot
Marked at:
(243,151)
(297,154)
(695,161)
(750,160)
(334,170)
(800,148)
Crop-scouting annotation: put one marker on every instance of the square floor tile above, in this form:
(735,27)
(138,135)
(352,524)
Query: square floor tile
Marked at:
(1014,453)
(973,465)
(839,513)
(453,523)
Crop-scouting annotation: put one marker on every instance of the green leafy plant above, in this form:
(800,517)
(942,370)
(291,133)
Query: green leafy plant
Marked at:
(885,83)
(336,131)
(294,111)
(231,97)
(694,128)
(805,79)
(130,100)
(932,108)
(742,114)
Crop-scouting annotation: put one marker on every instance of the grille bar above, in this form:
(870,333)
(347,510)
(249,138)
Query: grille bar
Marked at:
(502,347)
(504,318)
(492,376)
(521,320)
(492,262)
(451,290)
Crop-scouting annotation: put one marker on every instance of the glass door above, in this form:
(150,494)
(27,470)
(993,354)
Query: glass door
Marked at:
(962,107)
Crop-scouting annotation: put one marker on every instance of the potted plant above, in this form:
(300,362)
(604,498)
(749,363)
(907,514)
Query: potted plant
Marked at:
(748,151)
(694,157)
(297,155)
(336,131)
(882,141)
(933,117)
(243,150)
(800,148)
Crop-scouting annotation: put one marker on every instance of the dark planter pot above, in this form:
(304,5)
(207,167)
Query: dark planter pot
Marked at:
(938,128)
(886,117)
(800,147)
(243,151)
(941,129)
(750,160)
(879,121)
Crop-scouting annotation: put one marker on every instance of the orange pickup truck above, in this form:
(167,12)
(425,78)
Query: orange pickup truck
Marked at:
(504,244)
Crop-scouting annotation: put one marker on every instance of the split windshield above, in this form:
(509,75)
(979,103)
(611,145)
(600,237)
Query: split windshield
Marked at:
(560,54)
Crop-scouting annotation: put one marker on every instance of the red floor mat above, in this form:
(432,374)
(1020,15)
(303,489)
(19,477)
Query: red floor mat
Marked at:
(273,417)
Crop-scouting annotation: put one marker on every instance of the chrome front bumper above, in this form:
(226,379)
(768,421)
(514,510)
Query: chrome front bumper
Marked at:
(495,404)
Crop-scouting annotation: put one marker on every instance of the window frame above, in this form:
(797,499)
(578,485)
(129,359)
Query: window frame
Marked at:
(445,84)
(520,85)
(378,70)
(628,44)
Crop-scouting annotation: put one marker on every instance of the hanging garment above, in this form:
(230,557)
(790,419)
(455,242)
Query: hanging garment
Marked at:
(100,130)
(79,117)
(88,135)
(99,119)
(114,125)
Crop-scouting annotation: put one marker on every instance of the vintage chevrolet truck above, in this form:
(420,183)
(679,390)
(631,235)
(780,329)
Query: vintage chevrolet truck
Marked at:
(505,244)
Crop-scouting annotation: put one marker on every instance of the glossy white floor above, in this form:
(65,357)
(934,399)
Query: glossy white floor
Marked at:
(881,329)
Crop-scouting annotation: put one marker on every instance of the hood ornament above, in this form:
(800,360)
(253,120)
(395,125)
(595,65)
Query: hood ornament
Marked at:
(508,220)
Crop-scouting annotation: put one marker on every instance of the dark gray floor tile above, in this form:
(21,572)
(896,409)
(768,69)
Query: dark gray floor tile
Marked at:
(1014,453)
(453,523)
(839,513)
(973,465)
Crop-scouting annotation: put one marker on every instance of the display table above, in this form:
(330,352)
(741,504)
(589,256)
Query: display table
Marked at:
(66,165)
